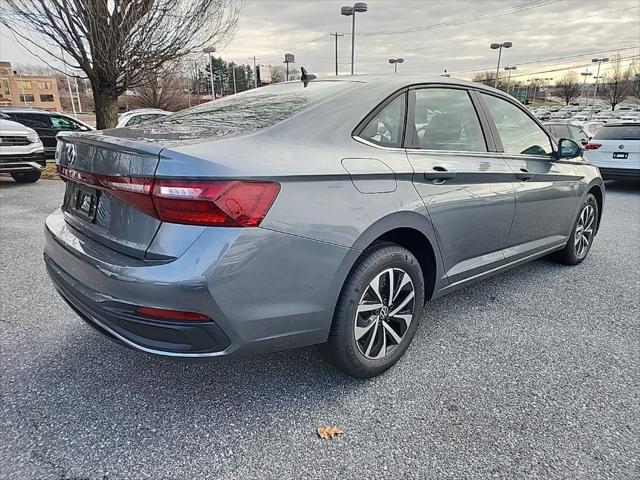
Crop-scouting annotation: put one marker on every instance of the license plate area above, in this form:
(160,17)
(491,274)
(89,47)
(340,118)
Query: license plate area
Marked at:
(621,155)
(82,201)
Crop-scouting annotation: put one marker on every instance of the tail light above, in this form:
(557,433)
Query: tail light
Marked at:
(592,146)
(219,203)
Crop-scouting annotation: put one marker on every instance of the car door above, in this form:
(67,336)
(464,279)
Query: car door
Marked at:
(466,186)
(546,190)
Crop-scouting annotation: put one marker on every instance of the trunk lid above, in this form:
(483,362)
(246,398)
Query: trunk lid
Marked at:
(97,213)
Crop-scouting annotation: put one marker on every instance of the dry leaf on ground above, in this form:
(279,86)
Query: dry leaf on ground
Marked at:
(328,432)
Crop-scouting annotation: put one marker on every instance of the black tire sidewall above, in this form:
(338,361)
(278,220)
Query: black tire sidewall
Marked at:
(377,259)
(589,200)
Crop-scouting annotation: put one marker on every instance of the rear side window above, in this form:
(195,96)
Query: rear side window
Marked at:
(518,132)
(386,127)
(33,120)
(445,119)
(618,132)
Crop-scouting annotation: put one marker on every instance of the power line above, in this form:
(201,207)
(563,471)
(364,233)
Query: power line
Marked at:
(586,54)
(537,27)
(463,21)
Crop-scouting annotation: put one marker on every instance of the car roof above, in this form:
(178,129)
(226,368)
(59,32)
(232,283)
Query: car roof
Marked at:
(401,80)
(26,110)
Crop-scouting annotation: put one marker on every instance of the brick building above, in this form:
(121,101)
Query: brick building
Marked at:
(28,90)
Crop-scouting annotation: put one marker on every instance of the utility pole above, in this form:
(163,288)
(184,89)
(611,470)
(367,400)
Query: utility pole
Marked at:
(78,96)
(255,76)
(73,105)
(336,35)
(233,74)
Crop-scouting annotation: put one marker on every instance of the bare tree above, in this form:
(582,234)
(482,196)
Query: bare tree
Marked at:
(118,43)
(568,87)
(616,83)
(486,78)
(160,89)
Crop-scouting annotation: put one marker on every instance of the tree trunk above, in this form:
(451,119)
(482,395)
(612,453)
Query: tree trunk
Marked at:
(106,108)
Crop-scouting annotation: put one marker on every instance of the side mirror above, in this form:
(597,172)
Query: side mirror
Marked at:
(567,148)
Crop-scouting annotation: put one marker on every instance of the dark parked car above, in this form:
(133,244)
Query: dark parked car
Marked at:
(46,124)
(568,130)
(311,212)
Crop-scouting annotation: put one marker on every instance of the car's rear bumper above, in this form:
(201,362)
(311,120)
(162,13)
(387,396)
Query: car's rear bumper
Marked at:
(619,173)
(263,290)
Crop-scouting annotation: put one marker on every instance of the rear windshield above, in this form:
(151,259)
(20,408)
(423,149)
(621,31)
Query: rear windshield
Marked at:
(618,132)
(258,108)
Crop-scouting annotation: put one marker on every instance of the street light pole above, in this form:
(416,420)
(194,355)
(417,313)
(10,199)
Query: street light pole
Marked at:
(351,11)
(395,62)
(585,74)
(599,61)
(499,47)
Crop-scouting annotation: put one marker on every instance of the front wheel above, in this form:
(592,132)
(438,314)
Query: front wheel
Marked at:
(27,177)
(378,311)
(582,235)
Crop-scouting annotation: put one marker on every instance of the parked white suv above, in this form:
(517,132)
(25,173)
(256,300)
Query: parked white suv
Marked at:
(615,149)
(21,152)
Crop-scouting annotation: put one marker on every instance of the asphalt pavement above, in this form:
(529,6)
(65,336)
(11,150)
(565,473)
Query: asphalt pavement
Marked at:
(531,374)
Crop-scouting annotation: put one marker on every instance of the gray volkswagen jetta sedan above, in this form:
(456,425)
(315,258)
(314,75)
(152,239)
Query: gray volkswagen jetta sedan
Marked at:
(313,212)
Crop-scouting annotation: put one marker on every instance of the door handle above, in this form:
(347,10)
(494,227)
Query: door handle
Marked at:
(524,175)
(439,175)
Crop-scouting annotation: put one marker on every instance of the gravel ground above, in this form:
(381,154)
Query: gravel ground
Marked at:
(532,374)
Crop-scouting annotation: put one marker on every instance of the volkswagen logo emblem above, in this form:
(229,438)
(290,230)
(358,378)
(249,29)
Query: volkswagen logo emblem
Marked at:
(70,153)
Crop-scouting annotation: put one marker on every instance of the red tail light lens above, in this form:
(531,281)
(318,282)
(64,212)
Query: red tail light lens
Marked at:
(219,203)
(592,146)
(162,314)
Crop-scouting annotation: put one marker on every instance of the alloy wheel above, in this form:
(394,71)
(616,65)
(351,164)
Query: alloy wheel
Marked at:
(384,313)
(584,230)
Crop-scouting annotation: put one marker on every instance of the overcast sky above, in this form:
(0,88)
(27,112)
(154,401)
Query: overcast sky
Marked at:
(539,30)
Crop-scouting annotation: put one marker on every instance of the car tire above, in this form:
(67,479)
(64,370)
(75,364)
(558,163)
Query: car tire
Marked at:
(582,234)
(26,177)
(372,328)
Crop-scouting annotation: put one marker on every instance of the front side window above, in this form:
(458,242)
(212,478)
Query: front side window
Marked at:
(518,132)
(445,119)
(387,126)
(63,123)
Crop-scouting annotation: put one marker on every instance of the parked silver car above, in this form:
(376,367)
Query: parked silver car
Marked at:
(311,212)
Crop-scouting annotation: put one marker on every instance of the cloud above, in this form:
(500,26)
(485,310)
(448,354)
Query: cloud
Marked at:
(550,29)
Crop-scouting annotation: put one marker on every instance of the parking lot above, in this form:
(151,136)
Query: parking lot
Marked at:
(535,373)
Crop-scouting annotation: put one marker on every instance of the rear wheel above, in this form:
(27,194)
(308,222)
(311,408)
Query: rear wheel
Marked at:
(582,235)
(378,311)
(26,177)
